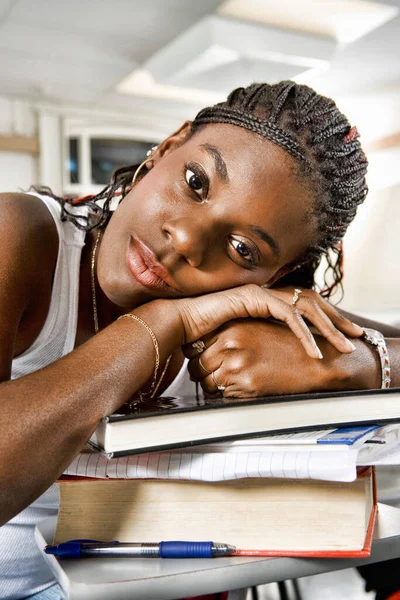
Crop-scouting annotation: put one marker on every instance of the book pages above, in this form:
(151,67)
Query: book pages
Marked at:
(329,466)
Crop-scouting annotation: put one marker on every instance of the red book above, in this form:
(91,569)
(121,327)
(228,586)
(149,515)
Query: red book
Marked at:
(260,516)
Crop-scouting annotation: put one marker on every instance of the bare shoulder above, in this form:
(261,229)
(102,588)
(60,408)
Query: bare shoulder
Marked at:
(28,255)
(26,210)
(28,234)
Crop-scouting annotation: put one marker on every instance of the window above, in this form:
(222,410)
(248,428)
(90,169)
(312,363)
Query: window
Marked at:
(92,154)
(107,155)
(73,161)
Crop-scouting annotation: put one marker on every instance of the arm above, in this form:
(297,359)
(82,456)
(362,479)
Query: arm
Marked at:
(389,331)
(259,358)
(48,415)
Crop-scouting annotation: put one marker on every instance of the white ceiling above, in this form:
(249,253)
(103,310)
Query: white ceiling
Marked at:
(78,51)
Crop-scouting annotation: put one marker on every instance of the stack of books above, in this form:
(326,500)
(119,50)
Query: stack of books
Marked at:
(278,476)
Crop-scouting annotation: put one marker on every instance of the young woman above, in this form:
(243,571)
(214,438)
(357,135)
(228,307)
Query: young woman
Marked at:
(214,226)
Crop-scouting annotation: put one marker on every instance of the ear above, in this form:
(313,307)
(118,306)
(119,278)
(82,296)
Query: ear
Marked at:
(170,143)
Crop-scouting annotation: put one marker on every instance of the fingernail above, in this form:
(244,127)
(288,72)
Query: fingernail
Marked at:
(359,329)
(350,345)
(319,353)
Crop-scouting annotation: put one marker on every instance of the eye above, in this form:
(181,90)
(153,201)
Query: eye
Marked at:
(246,250)
(193,181)
(197,180)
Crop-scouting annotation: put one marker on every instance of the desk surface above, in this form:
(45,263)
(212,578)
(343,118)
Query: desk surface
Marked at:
(123,579)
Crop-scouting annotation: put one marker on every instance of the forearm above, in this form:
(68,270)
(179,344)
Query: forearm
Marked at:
(359,370)
(394,353)
(389,331)
(48,416)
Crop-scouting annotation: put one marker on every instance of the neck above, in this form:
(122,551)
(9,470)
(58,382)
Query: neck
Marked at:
(107,311)
(104,311)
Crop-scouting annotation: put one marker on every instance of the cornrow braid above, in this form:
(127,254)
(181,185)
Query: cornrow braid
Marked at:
(267,129)
(329,157)
(307,126)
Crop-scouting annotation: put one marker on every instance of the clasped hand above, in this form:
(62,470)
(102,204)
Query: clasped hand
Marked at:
(250,357)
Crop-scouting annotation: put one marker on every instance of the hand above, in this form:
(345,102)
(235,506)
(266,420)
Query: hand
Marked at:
(309,302)
(253,357)
(201,315)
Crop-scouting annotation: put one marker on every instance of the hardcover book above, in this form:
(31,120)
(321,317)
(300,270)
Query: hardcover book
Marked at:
(261,517)
(174,422)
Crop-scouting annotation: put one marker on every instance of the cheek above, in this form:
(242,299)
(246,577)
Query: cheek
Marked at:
(136,209)
(152,198)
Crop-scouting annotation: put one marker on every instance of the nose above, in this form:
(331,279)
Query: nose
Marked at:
(189,239)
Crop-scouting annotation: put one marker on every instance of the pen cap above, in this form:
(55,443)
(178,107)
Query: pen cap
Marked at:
(67,549)
(186,549)
(70,549)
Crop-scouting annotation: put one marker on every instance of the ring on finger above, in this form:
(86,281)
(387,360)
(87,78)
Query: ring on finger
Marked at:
(199,346)
(220,388)
(296,296)
(203,367)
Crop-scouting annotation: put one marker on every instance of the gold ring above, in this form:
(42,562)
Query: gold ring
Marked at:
(203,367)
(220,388)
(199,346)
(296,295)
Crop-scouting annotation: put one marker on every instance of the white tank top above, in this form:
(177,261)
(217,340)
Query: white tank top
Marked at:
(23,570)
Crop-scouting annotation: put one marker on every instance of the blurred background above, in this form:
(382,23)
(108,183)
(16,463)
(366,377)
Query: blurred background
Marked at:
(89,85)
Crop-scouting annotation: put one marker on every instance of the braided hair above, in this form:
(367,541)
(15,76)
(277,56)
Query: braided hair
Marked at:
(328,157)
(327,153)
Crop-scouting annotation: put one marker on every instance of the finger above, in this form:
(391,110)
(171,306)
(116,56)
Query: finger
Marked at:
(291,316)
(197,368)
(194,349)
(339,320)
(204,364)
(214,383)
(205,385)
(311,310)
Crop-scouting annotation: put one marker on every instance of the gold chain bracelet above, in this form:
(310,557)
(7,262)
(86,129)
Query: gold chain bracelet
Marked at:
(156,348)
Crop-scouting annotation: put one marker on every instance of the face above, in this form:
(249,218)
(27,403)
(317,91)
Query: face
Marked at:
(222,209)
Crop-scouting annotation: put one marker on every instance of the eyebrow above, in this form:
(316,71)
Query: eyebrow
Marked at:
(266,237)
(220,165)
(222,171)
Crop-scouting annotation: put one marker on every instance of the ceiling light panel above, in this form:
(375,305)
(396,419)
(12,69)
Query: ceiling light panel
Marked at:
(343,20)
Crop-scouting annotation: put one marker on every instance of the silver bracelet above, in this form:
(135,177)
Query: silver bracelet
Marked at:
(375,338)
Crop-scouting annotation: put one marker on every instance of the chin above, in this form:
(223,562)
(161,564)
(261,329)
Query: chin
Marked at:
(120,293)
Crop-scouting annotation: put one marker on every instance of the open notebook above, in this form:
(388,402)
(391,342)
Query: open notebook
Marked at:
(287,456)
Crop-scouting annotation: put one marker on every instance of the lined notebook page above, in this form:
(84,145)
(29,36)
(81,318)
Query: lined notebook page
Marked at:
(332,466)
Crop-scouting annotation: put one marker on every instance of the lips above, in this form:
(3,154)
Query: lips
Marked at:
(145,269)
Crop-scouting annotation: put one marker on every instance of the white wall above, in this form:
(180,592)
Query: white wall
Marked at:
(372,256)
(372,244)
(51,151)
(17,170)
(371,249)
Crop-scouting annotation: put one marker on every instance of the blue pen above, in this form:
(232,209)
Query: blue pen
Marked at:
(94,548)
